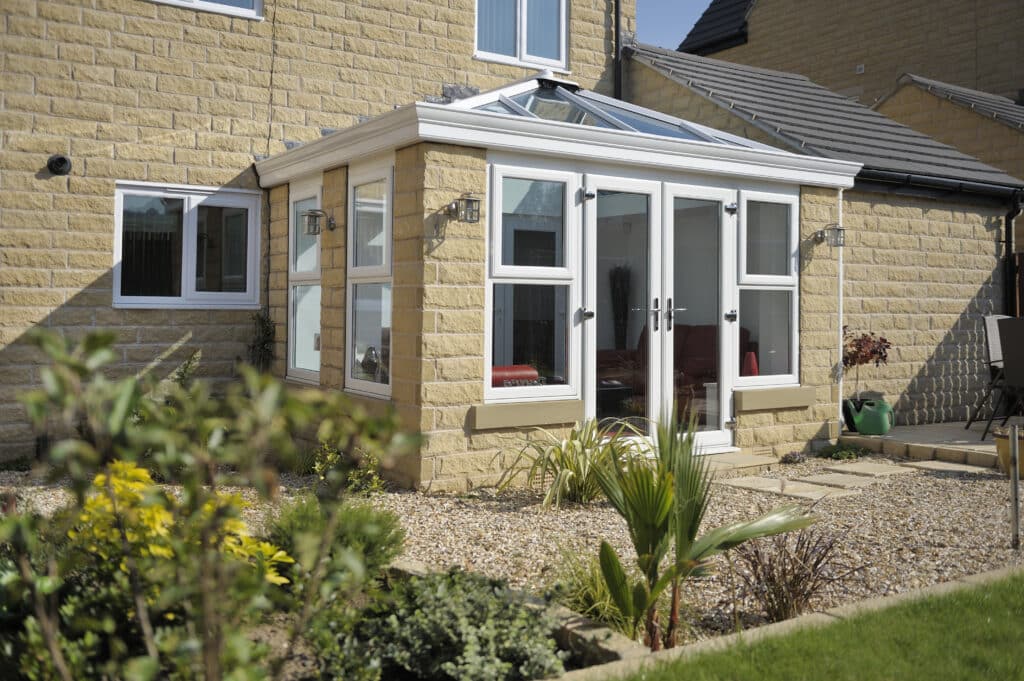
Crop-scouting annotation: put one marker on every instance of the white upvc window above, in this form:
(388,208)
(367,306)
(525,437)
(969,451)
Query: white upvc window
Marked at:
(246,9)
(304,289)
(184,247)
(532,333)
(368,284)
(522,32)
(768,288)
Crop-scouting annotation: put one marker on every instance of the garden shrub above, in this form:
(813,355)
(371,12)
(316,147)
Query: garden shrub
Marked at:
(782,574)
(580,586)
(455,627)
(363,469)
(842,452)
(145,584)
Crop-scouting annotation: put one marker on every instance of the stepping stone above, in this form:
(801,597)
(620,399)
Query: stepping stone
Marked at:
(869,468)
(739,460)
(946,467)
(841,480)
(787,488)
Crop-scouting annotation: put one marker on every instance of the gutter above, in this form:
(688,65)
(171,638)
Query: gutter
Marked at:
(998,191)
(617,61)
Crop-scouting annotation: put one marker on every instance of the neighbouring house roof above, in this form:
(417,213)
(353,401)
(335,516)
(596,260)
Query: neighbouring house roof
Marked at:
(723,25)
(547,116)
(814,120)
(996,107)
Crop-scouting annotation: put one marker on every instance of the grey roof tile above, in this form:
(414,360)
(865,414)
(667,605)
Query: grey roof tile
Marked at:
(723,24)
(808,118)
(997,107)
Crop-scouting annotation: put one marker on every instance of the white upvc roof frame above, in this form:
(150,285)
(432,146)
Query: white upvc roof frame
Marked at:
(423,122)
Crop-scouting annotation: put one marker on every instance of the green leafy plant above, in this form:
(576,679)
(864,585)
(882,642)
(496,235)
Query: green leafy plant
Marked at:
(566,467)
(456,627)
(842,452)
(261,347)
(784,573)
(363,468)
(188,549)
(663,503)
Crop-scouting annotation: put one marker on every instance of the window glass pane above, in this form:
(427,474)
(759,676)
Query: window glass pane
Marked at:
(532,223)
(543,28)
(646,124)
(496,107)
(304,246)
(368,228)
(531,335)
(306,311)
(545,103)
(696,309)
(221,248)
(151,244)
(496,26)
(371,329)
(765,333)
(768,247)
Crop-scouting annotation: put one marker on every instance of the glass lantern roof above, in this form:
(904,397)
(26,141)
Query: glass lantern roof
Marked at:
(564,102)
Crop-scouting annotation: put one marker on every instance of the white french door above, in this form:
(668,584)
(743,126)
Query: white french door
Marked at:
(655,302)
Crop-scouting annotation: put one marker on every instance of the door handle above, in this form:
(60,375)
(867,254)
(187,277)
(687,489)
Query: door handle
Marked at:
(670,313)
(586,314)
(656,311)
(316,342)
(731,316)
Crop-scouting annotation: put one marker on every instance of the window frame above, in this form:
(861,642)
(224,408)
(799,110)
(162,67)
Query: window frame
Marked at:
(256,13)
(543,276)
(298,191)
(522,57)
(358,175)
(789,283)
(193,197)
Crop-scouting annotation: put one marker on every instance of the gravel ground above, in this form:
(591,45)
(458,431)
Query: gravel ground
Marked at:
(907,531)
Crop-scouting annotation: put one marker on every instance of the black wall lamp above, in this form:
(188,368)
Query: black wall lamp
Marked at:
(834,234)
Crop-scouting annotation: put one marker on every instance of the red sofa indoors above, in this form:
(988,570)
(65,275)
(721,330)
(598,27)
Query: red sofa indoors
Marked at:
(695,355)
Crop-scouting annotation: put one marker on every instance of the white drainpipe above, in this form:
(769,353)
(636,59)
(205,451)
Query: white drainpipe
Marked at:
(839,224)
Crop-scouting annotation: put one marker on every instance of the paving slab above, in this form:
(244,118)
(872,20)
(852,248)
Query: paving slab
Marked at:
(869,468)
(840,480)
(946,467)
(787,488)
(738,460)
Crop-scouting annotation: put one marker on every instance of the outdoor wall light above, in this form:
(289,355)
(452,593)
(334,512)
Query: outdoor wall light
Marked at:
(313,217)
(465,208)
(834,234)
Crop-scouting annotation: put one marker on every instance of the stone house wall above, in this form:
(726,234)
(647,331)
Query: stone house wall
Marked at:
(142,91)
(974,44)
(973,133)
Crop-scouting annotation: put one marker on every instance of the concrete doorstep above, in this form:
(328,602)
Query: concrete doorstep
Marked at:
(624,667)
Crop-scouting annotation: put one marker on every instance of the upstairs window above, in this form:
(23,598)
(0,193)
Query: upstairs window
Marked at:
(524,32)
(186,247)
(247,9)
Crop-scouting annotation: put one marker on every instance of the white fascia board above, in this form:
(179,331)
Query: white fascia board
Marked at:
(441,123)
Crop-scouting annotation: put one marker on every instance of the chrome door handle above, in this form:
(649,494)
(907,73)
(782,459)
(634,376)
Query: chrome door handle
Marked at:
(587,314)
(656,311)
(670,313)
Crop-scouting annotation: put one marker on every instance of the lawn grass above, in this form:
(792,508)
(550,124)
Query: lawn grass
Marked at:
(971,634)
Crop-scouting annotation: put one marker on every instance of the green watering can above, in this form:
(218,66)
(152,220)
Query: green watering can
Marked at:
(874,417)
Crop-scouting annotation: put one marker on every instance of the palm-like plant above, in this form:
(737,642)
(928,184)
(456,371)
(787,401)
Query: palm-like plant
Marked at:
(663,502)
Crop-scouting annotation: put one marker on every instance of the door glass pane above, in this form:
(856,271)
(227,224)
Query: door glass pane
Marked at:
(531,335)
(766,333)
(623,302)
(532,223)
(304,246)
(151,245)
(368,230)
(221,248)
(306,313)
(696,310)
(371,329)
(768,247)
(496,26)
(543,28)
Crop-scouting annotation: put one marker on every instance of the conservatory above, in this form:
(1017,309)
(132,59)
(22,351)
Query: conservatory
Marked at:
(540,254)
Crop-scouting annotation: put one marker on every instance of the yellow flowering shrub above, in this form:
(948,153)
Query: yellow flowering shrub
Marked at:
(148,517)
